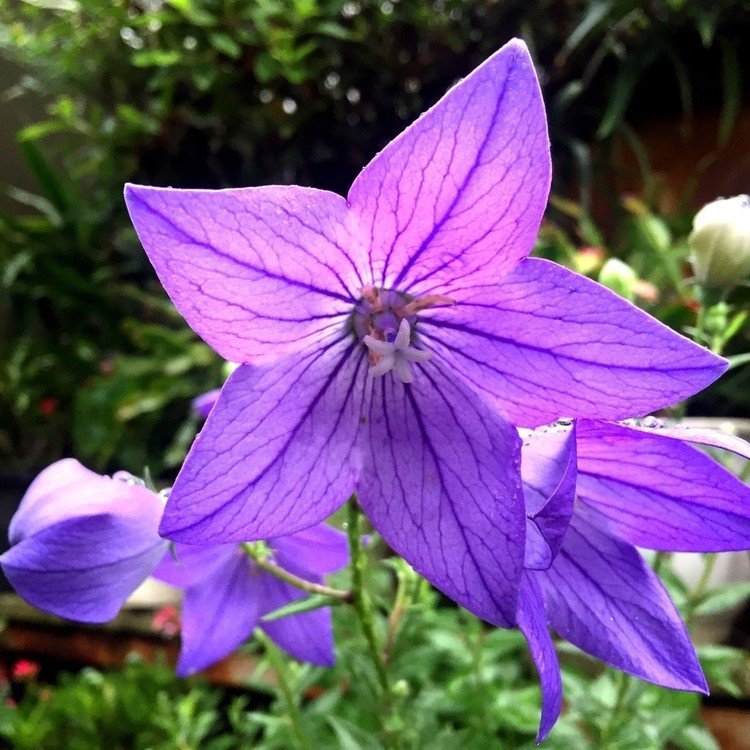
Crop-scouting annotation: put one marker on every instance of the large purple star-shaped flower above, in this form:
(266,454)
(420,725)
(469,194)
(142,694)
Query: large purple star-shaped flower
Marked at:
(82,543)
(594,490)
(420,277)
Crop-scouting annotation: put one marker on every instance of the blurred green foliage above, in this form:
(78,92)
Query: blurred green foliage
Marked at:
(459,685)
(217,93)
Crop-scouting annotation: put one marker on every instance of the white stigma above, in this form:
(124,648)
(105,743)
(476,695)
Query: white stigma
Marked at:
(396,355)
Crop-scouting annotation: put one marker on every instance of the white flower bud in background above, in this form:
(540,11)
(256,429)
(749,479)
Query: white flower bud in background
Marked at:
(619,277)
(720,242)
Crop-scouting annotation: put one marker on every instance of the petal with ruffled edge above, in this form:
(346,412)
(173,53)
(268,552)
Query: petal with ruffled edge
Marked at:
(602,597)
(318,550)
(440,482)
(532,620)
(85,568)
(307,636)
(545,343)
(548,473)
(219,613)
(658,492)
(460,192)
(267,463)
(256,272)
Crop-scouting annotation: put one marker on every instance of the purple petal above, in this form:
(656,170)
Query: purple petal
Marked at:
(698,435)
(276,454)
(320,550)
(548,472)
(84,568)
(307,636)
(602,597)
(537,554)
(463,189)
(532,620)
(546,342)
(256,272)
(66,489)
(440,482)
(218,614)
(203,404)
(187,564)
(658,492)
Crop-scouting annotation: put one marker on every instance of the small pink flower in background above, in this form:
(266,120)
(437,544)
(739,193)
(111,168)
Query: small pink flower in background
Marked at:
(25,670)
(167,621)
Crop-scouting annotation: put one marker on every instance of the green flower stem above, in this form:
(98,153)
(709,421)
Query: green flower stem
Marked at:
(660,559)
(708,568)
(709,562)
(292,708)
(394,620)
(361,598)
(262,560)
(623,681)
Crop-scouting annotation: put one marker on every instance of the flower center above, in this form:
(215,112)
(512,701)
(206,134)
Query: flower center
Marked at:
(384,322)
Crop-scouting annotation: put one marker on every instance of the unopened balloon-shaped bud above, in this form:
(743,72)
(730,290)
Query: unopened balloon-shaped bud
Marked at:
(619,277)
(720,242)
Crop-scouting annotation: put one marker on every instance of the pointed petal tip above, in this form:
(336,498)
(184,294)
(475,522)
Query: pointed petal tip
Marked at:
(172,530)
(700,684)
(131,191)
(542,734)
(517,45)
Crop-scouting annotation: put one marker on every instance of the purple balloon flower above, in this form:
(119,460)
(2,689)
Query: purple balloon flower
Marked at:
(82,543)
(226,595)
(594,490)
(420,277)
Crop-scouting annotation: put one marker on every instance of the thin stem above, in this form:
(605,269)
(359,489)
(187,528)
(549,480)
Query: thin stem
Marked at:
(279,666)
(660,559)
(709,562)
(708,568)
(397,614)
(614,715)
(361,598)
(264,562)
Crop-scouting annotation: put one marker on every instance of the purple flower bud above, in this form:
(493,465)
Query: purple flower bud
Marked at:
(82,543)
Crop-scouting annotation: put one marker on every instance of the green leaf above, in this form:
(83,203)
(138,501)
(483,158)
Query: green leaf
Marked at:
(731,79)
(593,16)
(68,6)
(738,360)
(723,598)
(156,58)
(696,738)
(224,43)
(519,709)
(308,604)
(630,73)
(45,176)
(351,737)
(191,10)
(266,68)
(38,130)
